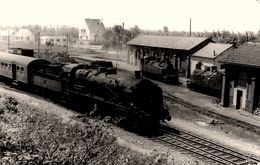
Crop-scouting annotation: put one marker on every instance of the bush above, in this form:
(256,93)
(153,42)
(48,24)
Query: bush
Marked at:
(32,136)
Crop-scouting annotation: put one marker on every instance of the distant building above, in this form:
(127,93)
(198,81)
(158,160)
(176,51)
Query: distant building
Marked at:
(209,56)
(55,40)
(4,34)
(92,32)
(241,81)
(24,35)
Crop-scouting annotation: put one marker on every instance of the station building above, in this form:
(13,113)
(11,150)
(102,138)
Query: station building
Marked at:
(241,81)
(178,49)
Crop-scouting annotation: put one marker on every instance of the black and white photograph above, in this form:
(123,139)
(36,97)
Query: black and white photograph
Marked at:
(120,82)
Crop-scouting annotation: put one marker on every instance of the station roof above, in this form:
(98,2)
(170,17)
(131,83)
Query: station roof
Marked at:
(212,50)
(247,55)
(169,42)
(18,59)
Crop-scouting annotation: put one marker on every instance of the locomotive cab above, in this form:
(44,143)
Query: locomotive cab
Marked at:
(147,97)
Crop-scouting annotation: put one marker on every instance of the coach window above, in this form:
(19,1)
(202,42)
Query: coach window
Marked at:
(17,67)
(22,69)
(2,66)
(9,66)
(5,66)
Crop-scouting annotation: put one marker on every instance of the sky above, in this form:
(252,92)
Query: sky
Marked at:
(206,15)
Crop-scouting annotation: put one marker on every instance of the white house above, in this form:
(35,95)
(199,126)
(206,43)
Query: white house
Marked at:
(56,40)
(209,55)
(92,31)
(24,35)
(4,34)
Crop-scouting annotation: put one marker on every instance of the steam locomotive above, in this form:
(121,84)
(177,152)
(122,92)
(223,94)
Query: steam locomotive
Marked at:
(207,82)
(89,87)
(160,70)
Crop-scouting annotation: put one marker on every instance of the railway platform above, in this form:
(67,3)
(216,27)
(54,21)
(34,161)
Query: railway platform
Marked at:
(194,99)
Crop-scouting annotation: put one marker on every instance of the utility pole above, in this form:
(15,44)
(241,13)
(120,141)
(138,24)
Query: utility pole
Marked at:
(190,27)
(67,43)
(39,40)
(122,35)
(8,40)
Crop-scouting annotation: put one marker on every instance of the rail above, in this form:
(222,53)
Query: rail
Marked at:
(203,148)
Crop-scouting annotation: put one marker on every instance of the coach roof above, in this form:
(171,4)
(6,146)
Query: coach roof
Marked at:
(170,42)
(18,59)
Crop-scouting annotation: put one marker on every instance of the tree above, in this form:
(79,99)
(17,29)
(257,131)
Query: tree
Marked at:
(135,31)
(165,31)
(108,38)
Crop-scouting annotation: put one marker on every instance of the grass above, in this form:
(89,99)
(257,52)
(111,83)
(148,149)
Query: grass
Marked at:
(33,136)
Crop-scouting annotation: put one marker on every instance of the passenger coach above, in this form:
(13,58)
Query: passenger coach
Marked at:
(16,67)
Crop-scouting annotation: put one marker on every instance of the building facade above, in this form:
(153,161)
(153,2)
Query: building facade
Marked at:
(24,35)
(176,49)
(241,81)
(5,33)
(209,56)
(92,31)
(55,40)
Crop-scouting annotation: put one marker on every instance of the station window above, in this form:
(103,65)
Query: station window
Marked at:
(241,80)
(22,69)
(18,67)
(57,39)
(64,39)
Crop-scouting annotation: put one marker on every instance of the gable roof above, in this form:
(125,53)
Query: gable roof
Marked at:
(212,50)
(170,42)
(95,25)
(247,54)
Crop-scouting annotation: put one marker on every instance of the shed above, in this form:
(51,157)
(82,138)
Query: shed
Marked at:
(241,82)
(177,49)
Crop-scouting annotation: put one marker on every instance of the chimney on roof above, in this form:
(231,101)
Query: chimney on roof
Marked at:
(235,43)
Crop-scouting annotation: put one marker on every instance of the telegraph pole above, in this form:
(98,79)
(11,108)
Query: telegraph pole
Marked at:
(8,40)
(39,40)
(190,27)
(122,35)
(67,44)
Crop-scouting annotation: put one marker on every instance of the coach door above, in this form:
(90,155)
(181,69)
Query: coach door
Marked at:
(13,71)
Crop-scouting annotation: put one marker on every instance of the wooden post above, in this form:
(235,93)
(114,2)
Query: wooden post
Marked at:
(225,91)
(250,107)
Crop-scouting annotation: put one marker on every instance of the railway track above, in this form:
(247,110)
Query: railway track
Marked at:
(202,148)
